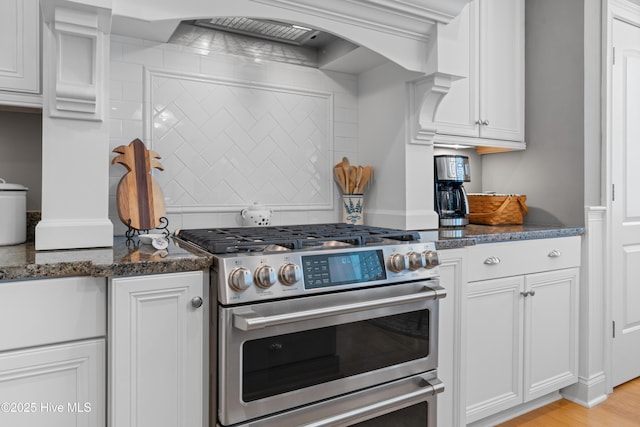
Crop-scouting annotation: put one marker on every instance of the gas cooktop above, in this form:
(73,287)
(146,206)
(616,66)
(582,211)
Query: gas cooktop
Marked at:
(291,237)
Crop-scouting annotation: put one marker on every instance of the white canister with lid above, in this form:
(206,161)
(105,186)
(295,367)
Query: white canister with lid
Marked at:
(13,213)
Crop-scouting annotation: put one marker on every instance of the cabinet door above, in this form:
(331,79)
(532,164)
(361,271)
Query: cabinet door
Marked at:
(551,332)
(157,351)
(502,69)
(493,353)
(20,55)
(54,386)
(459,109)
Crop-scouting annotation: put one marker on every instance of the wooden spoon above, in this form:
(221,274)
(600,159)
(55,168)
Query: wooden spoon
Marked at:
(345,167)
(367,171)
(339,174)
(358,189)
(353,174)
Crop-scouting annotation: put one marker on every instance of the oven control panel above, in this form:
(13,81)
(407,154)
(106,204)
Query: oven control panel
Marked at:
(251,277)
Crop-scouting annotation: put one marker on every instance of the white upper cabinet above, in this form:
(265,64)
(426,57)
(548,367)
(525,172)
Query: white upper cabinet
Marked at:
(20,52)
(487,107)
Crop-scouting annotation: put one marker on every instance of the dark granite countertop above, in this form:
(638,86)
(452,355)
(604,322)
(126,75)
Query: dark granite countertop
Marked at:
(473,234)
(123,259)
(134,258)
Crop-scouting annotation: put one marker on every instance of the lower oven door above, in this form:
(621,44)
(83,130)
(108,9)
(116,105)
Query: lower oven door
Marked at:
(277,356)
(409,402)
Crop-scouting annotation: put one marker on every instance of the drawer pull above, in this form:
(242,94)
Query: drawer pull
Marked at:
(554,253)
(492,260)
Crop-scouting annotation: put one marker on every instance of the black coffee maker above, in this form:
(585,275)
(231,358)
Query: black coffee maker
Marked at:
(451,202)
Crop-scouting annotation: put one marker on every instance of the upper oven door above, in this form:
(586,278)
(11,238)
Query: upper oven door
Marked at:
(279,355)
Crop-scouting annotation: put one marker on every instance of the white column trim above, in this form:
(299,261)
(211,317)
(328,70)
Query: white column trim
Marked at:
(591,389)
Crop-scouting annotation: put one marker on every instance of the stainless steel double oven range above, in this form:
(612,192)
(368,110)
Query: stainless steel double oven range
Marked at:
(322,325)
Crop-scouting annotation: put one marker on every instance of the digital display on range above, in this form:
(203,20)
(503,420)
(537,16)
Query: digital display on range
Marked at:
(321,271)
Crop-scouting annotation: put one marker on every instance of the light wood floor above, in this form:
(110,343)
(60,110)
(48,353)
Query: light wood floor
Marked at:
(621,409)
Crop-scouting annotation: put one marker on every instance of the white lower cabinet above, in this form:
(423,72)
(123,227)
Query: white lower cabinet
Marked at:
(158,350)
(52,352)
(54,386)
(521,331)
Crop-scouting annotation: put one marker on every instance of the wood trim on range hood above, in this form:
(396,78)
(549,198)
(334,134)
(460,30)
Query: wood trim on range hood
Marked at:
(401,30)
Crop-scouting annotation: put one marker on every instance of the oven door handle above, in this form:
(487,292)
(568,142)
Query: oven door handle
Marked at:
(250,320)
(424,389)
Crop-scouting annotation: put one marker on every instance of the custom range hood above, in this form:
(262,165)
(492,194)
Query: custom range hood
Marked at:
(76,108)
(402,31)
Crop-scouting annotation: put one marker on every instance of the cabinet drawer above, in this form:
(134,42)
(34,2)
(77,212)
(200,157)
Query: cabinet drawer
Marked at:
(492,260)
(37,312)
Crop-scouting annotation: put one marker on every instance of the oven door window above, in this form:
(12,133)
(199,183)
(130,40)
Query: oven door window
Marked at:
(282,363)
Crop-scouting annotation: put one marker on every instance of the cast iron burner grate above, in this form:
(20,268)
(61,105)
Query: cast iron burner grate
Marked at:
(247,239)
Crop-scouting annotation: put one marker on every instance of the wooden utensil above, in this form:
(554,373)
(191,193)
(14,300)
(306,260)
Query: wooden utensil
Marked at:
(367,171)
(358,189)
(345,167)
(338,172)
(353,172)
(139,197)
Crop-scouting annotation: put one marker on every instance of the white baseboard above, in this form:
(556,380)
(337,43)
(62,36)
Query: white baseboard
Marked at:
(587,392)
(516,411)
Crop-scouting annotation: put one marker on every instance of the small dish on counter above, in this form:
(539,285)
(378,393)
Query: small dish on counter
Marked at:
(158,241)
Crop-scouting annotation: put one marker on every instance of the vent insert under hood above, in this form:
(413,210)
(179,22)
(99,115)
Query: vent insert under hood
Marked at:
(262,28)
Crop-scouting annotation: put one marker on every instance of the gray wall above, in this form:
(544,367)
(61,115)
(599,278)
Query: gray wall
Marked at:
(21,153)
(551,171)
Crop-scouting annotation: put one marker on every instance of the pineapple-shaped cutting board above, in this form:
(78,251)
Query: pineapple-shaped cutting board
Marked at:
(140,199)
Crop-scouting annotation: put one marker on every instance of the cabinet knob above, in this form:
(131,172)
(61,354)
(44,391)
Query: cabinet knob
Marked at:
(485,122)
(554,253)
(196,302)
(492,260)
(528,293)
(478,122)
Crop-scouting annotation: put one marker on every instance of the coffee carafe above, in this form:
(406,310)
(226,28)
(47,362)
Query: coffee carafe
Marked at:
(451,202)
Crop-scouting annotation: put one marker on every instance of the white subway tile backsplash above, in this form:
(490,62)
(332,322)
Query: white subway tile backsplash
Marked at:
(346,144)
(126,110)
(125,72)
(177,60)
(345,99)
(346,115)
(227,138)
(132,91)
(115,90)
(147,55)
(218,66)
(132,129)
(192,110)
(250,71)
(115,128)
(346,130)
(169,143)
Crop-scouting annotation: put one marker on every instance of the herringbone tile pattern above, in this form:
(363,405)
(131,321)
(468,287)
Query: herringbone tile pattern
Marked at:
(230,143)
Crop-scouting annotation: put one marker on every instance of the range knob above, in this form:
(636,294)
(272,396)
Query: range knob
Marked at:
(398,263)
(431,259)
(290,274)
(240,279)
(265,276)
(416,260)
